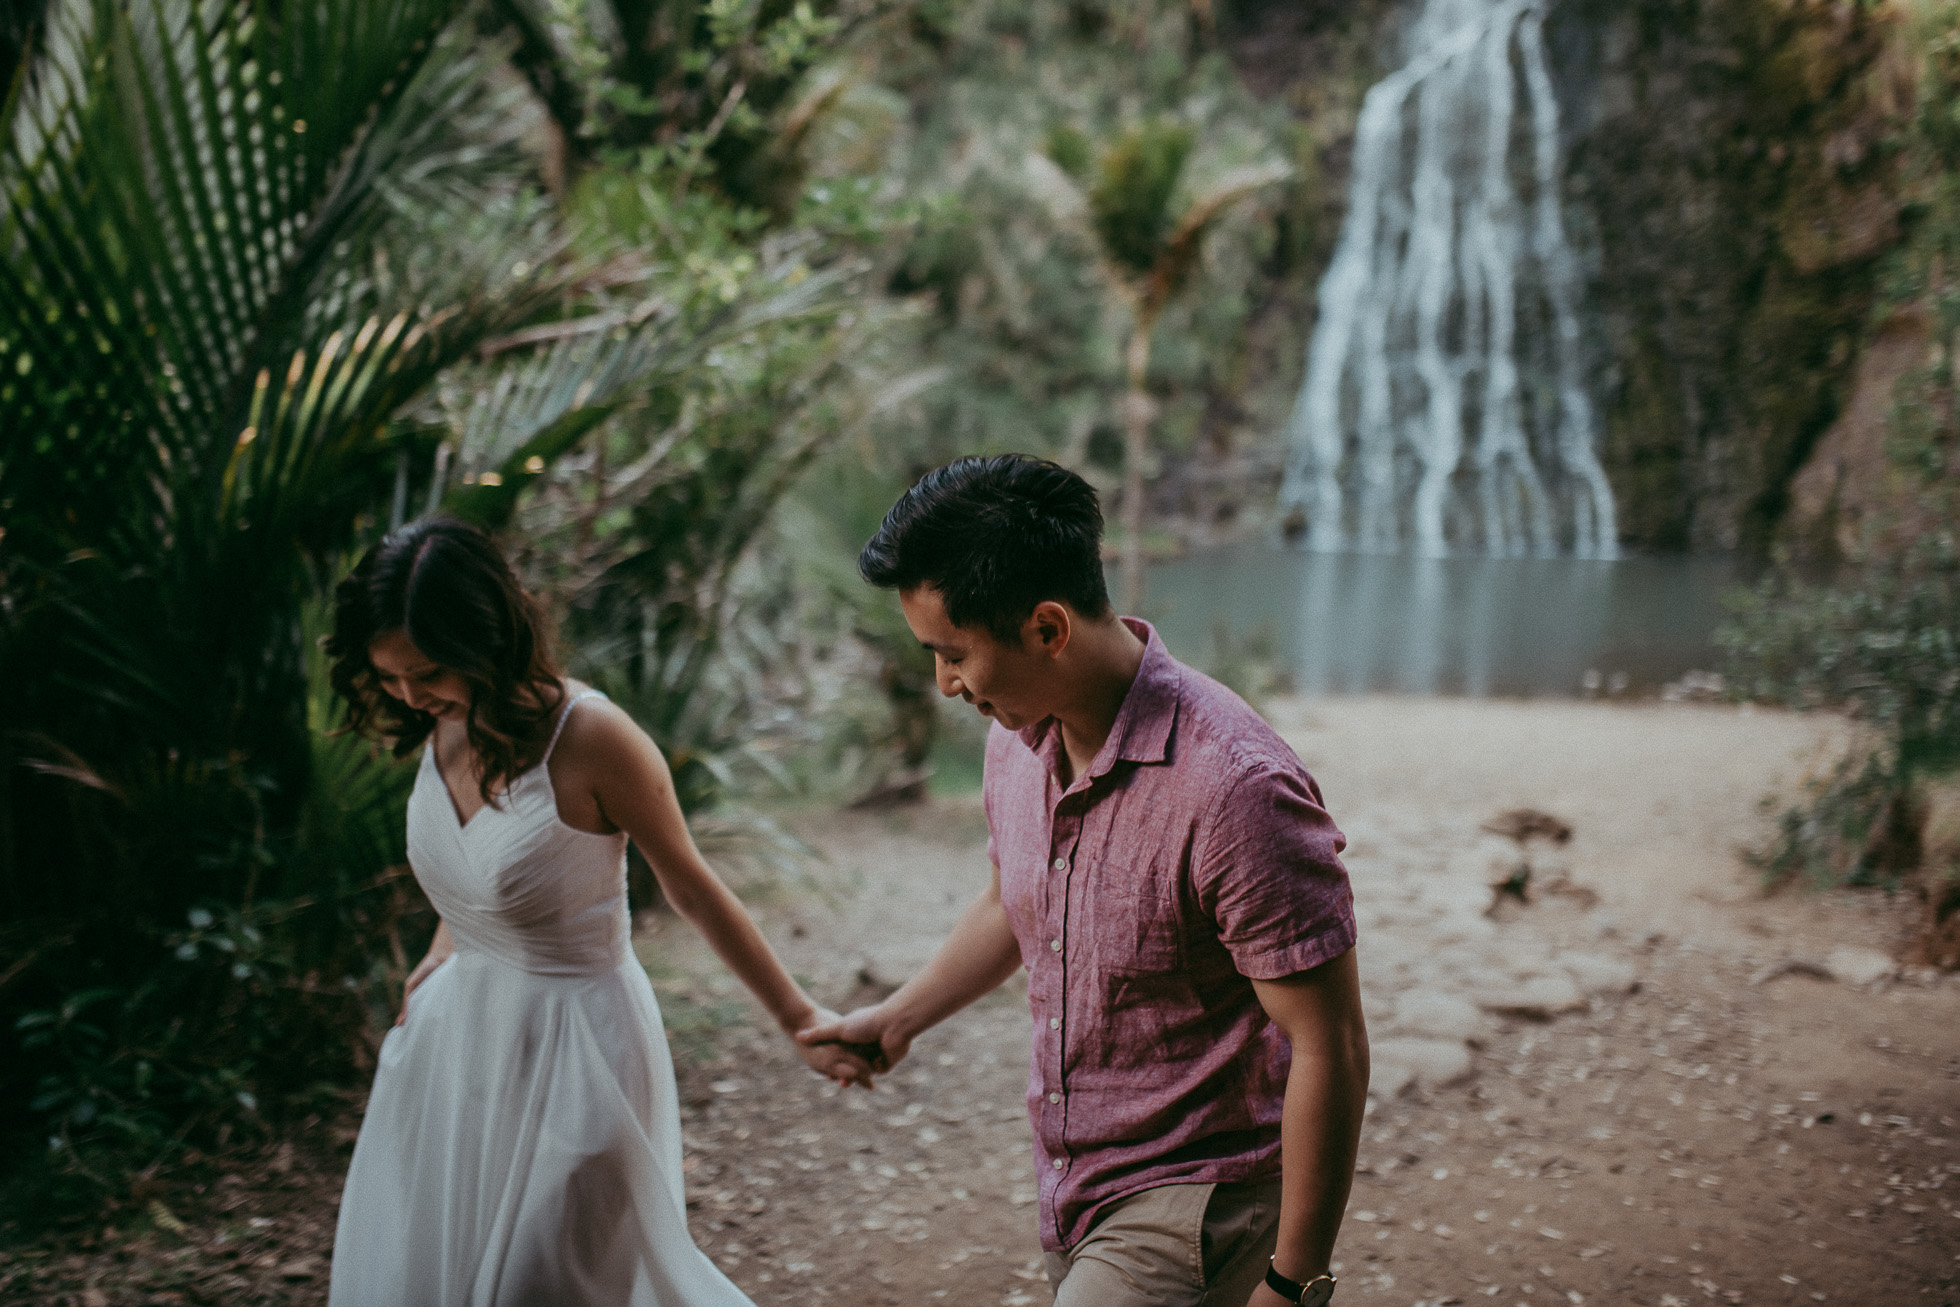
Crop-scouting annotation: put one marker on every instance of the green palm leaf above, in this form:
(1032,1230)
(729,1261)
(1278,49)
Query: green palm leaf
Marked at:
(237,239)
(512,421)
(1130,193)
(184,173)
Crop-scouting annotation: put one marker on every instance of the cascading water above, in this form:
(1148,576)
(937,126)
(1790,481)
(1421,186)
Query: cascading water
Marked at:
(1444,408)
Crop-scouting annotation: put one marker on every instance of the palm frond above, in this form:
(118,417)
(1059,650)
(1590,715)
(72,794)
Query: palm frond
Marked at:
(237,240)
(1130,195)
(173,187)
(513,421)
(1179,252)
(1052,185)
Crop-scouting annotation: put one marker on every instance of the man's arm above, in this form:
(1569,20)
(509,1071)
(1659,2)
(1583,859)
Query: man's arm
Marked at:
(975,958)
(1320,1126)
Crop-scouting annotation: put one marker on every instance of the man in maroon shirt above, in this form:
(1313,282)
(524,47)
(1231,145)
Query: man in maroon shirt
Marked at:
(1165,871)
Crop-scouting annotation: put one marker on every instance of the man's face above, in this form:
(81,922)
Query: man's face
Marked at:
(1008,683)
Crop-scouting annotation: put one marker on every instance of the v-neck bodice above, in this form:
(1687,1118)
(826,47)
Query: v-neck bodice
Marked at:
(515,882)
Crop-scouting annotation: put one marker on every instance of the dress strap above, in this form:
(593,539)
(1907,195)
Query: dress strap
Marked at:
(563,715)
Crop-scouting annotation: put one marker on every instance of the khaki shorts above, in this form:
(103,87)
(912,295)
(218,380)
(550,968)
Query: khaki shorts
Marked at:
(1179,1245)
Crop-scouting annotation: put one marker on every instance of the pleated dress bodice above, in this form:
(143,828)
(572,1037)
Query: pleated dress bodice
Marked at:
(514,881)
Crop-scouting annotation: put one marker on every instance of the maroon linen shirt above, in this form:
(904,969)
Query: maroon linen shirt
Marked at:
(1191,858)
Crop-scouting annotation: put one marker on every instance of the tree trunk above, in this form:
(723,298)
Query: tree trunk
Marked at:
(1136,447)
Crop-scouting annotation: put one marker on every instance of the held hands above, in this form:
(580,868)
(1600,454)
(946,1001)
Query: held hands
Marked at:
(845,1063)
(871,1035)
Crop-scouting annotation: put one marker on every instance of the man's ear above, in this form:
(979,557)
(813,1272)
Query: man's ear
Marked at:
(1048,628)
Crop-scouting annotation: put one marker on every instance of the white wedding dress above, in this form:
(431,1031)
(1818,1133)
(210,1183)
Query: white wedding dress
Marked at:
(522,1143)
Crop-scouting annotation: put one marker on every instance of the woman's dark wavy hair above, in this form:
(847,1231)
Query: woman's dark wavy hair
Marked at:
(995,536)
(449,589)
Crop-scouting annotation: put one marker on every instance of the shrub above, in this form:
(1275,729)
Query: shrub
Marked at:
(1883,641)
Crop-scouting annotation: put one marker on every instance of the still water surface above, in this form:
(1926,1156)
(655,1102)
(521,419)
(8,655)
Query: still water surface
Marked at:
(1353,623)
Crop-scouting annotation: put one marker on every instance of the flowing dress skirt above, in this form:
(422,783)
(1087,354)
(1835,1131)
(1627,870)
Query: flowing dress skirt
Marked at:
(522,1145)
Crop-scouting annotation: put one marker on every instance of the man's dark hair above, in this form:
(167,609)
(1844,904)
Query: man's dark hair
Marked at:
(995,536)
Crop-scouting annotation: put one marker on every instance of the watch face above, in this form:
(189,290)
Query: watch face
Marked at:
(1319,1295)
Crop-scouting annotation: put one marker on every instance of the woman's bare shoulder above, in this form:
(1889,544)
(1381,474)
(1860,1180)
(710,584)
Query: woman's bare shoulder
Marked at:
(599,733)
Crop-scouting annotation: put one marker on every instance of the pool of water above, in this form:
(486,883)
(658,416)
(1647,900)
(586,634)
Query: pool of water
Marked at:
(1355,623)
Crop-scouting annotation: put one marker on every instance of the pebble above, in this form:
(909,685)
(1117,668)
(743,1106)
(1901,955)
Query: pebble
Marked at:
(1431,1015)
(1398,1063)
(1598,974)
(1436,968)
(1537,998)
(1859,967)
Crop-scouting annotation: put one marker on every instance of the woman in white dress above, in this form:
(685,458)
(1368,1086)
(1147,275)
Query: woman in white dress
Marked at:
(522,1140)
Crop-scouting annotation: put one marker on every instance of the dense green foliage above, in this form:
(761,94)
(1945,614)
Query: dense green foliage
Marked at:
(1130,190)
(275,276)
(1021,147)
(1888,646)
(1884,642)
(204,364)
(272,276)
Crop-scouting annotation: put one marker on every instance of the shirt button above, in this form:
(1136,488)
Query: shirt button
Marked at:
(1054,1098)
(1057,1164)
(1061,864)
(1055,945)
(1054,1023)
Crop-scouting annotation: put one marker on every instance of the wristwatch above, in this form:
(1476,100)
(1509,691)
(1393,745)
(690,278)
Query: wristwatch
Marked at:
(1317,1292)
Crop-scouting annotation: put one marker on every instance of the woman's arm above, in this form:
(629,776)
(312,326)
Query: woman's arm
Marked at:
(440,950)
(633,789)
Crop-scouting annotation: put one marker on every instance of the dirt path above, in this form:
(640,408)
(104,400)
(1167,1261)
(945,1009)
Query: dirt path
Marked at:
(1584,1100)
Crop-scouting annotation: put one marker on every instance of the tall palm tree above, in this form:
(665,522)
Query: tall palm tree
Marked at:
(1149,231)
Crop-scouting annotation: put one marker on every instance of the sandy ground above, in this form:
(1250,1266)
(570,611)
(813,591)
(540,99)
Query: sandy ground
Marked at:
(1593,1097)
(1628,1120)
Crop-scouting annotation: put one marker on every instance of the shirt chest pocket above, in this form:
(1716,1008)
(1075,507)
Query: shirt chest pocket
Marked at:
(1133,920)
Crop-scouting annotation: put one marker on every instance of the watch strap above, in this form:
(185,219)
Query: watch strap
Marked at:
(1314,1293)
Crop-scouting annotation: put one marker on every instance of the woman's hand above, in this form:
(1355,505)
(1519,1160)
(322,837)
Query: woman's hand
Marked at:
(839,1062)
(441,949)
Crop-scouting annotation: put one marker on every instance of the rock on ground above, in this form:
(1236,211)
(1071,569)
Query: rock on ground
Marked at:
(1859,967)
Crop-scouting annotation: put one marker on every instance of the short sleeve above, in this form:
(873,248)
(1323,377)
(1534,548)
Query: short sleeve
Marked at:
(1269,874)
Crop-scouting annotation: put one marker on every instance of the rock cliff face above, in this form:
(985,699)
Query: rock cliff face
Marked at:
(1735,168)
(1851,494)
(1734,155)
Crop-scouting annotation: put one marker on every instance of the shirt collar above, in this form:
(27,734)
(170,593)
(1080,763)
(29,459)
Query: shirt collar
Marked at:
(1142,730)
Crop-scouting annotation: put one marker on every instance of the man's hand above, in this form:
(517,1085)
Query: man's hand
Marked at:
(868,1031)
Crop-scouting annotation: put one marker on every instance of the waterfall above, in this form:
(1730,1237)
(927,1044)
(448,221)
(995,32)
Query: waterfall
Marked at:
(1445,408)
